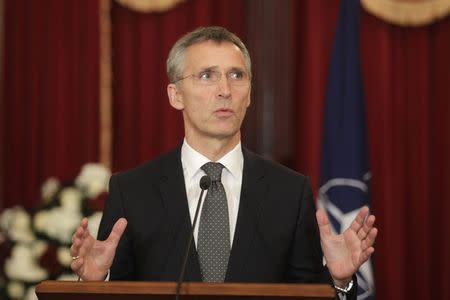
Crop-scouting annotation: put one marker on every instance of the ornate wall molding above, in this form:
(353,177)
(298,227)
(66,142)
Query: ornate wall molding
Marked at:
(408,12)
(146,6)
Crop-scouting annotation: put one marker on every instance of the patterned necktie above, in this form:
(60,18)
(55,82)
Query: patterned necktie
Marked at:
(214,230)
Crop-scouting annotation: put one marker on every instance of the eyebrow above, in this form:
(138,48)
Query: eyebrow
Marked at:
(235,69)
(216,68)
(210,68)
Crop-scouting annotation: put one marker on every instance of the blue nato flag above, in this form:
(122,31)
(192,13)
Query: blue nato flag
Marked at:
(345,174)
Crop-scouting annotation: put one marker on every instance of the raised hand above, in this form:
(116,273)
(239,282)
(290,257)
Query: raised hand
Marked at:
(346,252)
(91,259)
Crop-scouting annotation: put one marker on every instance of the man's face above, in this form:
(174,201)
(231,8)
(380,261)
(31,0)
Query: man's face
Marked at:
(212,109)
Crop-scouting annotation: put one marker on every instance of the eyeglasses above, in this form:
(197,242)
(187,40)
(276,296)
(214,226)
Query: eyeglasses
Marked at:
(211,77)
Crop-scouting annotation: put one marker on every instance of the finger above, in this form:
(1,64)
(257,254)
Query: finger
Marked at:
(86,233)
(78,234)
(75,248)
(323,222)
(370,240)
(358,222)
(77,265)
(80,247)
(367,226)
(117,231)
(81,229)
(365,255)
(84,223)
(76,244)
(85,247)
(77,240)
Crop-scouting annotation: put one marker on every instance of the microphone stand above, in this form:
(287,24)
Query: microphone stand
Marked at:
(205,183)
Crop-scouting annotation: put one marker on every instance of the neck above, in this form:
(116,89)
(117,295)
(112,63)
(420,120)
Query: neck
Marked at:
(214,148)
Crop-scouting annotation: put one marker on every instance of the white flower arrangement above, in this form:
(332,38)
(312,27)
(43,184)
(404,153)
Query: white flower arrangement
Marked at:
(23,266)
(93,179)
(16,223)
(35,246)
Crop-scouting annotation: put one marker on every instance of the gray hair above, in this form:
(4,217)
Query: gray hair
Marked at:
(214,33)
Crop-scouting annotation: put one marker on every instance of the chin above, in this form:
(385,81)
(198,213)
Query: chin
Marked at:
(224,134)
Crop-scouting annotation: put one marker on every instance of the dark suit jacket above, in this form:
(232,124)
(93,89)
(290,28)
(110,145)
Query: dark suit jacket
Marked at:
(276,237)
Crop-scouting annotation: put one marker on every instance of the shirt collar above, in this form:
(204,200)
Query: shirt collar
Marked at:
(193,160)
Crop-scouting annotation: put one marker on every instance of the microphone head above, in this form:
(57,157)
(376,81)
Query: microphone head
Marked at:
(205,182)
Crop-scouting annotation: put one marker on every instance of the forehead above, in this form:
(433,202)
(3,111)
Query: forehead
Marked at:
(206,54)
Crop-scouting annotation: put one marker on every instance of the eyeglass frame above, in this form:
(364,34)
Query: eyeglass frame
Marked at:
(197,77)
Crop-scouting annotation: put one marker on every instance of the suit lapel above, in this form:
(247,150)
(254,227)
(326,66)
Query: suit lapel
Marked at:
(252,193)
(173,192)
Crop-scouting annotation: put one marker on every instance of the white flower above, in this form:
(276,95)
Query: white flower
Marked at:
(15,290)
(16,223)
(61,223)
(41,220)
(49,189)
(94,223)
(30,294)
(38,248)
(6,218)
(22,265)
(71,199)
(64,257)
(68,277)
(20,230)
(94,179)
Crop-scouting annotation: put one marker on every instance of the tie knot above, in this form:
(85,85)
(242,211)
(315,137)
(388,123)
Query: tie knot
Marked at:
(213,170)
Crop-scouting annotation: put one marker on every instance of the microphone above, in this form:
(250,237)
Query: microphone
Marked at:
(205,183)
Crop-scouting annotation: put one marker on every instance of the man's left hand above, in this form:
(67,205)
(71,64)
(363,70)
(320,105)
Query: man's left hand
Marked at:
(346,252)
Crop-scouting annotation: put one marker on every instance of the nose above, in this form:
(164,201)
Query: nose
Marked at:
(224,89)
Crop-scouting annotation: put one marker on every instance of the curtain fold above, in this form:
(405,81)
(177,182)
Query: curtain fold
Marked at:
(407,71)
(50,94)
(314,25)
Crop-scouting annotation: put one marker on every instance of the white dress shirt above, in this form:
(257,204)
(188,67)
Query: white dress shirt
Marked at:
(233,162)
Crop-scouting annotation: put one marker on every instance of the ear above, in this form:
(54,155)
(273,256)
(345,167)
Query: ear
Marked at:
(175,96)
(249,97)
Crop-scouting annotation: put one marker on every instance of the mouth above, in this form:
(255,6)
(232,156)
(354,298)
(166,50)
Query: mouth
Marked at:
(224,112)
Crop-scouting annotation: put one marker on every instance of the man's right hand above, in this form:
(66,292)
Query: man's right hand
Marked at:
(91,258)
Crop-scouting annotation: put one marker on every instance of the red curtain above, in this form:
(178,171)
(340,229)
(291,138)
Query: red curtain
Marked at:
(314,25)
(406,76)
(145,125)
(49,115)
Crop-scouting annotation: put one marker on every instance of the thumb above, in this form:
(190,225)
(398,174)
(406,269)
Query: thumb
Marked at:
(117,231)
(324,223)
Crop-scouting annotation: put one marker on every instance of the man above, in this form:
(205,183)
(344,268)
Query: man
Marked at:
(265,229)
